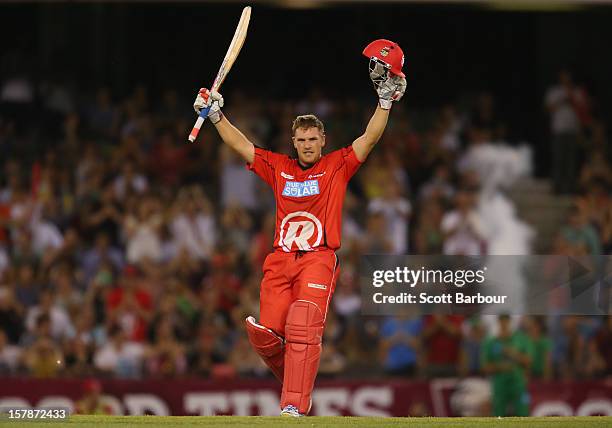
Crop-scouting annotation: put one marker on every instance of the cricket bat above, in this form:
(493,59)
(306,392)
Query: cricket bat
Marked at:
(226,65)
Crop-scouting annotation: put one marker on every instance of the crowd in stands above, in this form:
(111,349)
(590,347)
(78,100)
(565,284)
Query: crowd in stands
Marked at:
(127,252)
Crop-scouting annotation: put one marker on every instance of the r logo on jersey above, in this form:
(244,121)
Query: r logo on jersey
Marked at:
(300,231)
(301,189)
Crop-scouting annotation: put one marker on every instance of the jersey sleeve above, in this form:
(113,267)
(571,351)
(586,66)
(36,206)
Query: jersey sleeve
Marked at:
(265,163)
(351,163)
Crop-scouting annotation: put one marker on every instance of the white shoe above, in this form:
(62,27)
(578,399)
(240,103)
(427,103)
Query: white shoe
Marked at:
(291,410)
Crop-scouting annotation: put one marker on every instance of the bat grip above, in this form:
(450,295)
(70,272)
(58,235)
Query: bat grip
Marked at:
(204,112)
(196,128)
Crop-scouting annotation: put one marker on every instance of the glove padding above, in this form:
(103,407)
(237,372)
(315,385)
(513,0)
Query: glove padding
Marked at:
(390,90)
(213,99)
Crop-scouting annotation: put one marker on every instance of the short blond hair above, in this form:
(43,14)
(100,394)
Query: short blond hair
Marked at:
(307,121)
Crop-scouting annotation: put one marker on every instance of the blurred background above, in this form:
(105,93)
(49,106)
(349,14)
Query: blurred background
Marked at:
(129,258)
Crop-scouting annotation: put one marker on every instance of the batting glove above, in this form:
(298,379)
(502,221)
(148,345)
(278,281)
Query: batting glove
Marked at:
(213,99)
(391,90)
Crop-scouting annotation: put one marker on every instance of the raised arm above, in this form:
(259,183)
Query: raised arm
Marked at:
(228,132)
(376,126)
(235,139)
(390,87)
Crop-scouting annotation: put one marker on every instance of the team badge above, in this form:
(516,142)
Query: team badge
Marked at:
(300,230)
(384,51)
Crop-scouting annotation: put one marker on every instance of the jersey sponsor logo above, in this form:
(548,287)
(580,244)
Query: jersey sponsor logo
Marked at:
(319,286)
(316,175)
(301,189)
(300,230)
(287,176)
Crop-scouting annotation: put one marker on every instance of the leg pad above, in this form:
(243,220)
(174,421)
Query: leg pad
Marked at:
(268,345)
(303,335)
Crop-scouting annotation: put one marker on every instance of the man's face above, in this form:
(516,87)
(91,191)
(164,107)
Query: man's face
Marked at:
(308,143)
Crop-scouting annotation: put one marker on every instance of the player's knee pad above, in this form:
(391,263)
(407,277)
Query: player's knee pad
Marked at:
(304,323)
(268,345)
(303,335)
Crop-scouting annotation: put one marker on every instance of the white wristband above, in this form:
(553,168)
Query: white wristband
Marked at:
(385,104)
(215,117)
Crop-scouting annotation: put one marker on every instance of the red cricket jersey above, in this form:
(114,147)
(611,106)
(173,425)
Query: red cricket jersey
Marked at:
(308,201)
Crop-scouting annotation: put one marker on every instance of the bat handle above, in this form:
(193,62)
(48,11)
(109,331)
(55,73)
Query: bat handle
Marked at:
(196,128)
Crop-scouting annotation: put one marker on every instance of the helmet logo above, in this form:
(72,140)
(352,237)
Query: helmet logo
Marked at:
(384,51)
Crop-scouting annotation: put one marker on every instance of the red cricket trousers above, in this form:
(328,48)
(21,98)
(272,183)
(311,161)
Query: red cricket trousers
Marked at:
(295,276)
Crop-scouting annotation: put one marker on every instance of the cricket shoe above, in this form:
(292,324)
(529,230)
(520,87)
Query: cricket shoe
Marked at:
(291,411)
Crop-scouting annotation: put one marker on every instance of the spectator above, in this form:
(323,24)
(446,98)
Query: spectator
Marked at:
(463,228)
(507,358)
(428,238)
(46,236)
(130,181)
(130,306)
(236,224)
(243,362)
(333,362)
(78,358)
(103,216)
(485,117)
(400,344)
(168,159)
(439,186)
(166,357)
(92,402)
(263,241)
(103,117)
(238,185)
(568,349)
(101,252)
(67,296)
(61,325)
(207,351)
(11,315)
(600,350)
(541,365)
(193,226)
(563,101)
(142,230)
(225,282)
(10,356)
(442,343)
(120,356)
(376,239)
(44,358)
(471,346)
(577,231)
(596,169)
(396,211)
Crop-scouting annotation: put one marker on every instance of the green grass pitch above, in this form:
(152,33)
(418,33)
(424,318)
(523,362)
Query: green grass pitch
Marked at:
(313,421)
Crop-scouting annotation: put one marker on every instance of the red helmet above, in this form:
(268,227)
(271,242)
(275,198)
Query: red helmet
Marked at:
(387,52)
